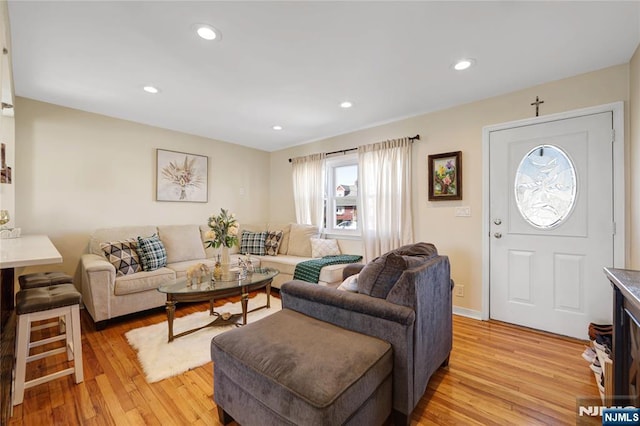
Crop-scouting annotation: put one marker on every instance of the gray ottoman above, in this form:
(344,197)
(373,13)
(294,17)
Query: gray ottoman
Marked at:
(290,369)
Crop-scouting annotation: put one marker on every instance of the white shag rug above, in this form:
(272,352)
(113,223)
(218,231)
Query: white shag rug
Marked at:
(160,359)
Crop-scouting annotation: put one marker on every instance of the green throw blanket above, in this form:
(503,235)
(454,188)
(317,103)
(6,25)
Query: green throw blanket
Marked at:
(309,270)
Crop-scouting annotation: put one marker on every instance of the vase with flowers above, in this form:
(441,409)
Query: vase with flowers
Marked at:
(223,234)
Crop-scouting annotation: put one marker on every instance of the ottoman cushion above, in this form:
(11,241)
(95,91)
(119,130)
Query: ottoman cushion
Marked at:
(305,370)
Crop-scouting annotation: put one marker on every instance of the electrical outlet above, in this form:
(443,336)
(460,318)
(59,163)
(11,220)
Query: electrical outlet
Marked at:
(464,211)
(459,290)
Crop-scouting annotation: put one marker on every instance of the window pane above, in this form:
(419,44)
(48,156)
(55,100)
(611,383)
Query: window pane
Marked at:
(545,187)
(346,179)
(346,195)
(346,216)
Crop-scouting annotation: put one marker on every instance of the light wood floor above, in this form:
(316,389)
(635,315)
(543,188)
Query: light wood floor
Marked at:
(498,374)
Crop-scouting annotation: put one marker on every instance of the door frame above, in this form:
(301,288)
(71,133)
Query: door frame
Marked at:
(619,194)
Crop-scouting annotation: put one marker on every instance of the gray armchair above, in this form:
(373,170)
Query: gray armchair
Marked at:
(404,298)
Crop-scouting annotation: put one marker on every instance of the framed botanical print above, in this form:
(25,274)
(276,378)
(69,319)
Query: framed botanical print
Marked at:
(445,176)
(181,176)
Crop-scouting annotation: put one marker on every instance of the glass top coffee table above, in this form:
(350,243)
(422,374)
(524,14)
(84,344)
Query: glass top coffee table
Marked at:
(182,291)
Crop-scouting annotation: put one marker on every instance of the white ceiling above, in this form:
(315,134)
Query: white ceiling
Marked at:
(292,63)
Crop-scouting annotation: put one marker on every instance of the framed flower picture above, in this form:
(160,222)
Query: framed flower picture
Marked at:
(445,176)
(181,176)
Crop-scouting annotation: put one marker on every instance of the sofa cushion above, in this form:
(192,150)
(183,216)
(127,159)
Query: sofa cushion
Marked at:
(321,247)
(152,253)
(287,265)
(180,268)
(252,242)
(123,256)
(378,276)
(143,281)
(182,242)
(300,239)
(272,243)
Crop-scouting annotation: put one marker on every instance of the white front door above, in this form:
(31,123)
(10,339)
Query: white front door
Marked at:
(552,223)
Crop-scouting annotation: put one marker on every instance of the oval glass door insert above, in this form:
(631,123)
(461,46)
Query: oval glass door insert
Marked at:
(545,186)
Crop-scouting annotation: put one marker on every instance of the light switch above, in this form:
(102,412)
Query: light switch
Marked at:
(464,211)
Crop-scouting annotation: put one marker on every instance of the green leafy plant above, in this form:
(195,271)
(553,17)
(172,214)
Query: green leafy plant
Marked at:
(223,230)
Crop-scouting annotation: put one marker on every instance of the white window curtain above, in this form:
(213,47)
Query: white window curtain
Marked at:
(308,188)
(384,186)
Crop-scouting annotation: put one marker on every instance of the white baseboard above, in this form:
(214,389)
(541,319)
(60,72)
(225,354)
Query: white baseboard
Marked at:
(465,312)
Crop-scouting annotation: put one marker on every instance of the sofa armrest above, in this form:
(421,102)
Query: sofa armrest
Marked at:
(98,282)
(95,263)
(351,269)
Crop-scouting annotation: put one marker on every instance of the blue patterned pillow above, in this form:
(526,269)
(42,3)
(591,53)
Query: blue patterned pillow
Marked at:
(253,242)
(152,253)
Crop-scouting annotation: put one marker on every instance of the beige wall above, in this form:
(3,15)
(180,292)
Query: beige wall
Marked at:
(78,171)
(458,129)
(633,190)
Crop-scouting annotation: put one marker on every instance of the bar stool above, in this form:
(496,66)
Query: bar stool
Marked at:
(42,303)
(45,279)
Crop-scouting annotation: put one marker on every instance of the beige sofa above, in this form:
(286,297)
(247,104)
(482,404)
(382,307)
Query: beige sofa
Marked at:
(107,295)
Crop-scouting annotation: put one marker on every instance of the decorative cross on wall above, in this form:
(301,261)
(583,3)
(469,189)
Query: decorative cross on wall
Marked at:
(537,104)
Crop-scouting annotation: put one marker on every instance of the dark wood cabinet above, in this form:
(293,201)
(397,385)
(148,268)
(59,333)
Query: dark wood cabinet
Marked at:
(7,341)
(626,336)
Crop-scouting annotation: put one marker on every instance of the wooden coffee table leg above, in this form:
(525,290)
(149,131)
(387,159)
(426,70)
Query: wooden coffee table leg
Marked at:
(244,300)
(268,289)
(171,310)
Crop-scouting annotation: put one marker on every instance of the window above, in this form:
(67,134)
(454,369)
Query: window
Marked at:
(341,199)
(545,187)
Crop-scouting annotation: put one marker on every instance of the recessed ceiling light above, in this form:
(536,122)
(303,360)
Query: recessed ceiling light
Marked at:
(150,89)
(207,32)
(463,64)
(276,127)
(346,104)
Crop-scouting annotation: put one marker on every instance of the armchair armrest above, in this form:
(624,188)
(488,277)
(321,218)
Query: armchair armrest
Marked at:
(314,299)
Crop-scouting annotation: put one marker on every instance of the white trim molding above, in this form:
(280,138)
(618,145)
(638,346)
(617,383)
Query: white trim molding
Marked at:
(466,312)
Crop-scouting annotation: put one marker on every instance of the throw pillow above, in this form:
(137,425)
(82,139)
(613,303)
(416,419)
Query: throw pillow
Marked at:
(152,253)
(378,277)
(350,284)
(321,247)
(123,256)
(272,243)
(299,239)
(253,242)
